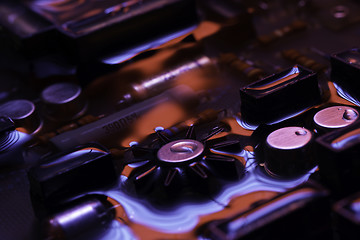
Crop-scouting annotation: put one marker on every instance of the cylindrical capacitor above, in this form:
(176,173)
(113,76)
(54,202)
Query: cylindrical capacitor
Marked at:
(334,117)
(155,85)
(288,152)
(90,215)
(23,113)
(63,101)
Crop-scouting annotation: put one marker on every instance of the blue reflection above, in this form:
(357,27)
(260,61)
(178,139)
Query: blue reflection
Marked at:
(343,94)
(118,230)
(125,55)
(186,217)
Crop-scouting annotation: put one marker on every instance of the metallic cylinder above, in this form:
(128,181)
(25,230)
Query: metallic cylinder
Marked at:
(88,216)
(23,113)
(63,101)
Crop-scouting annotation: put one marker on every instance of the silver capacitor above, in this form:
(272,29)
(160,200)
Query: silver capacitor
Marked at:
(23,113)
(88,216)
(63,101)
(289,151)
(335,117)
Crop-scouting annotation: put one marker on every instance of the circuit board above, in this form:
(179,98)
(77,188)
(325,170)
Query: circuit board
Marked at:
(179,119)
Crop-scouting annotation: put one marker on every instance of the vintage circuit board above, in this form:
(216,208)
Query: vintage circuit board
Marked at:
(179,119)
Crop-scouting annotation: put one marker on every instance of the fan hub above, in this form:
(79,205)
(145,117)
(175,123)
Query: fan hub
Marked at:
(180,151)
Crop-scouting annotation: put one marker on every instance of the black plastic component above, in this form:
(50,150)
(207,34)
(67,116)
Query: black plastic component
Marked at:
(183,166)
(347,217)
(66,175)
(345,71)
(87,216)
(29,30)
(89,29)
(338,156)
(279,96)
(300,213)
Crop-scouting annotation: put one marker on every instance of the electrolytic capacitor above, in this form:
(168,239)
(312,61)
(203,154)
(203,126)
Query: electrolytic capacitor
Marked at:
(63,101)
(23,113)
(87,217)
(334,117)
(289,152)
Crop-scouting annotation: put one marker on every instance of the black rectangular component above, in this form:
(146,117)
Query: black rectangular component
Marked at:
(96,28)
(345,71)
(300,213)
(347,216)
(279,95)
(69,174)
(338,154)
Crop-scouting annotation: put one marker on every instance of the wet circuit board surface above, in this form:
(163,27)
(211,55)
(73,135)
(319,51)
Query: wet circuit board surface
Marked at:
(179,119)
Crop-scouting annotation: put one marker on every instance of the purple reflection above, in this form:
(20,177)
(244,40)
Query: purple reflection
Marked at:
(186,216)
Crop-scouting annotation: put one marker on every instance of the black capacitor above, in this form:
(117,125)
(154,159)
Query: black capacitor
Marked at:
(347,217)
(300,213)
(63,101)
(280,95)
(65,175)
(345,71)
(338,156)
(288,152)
(23,113)
(84,218)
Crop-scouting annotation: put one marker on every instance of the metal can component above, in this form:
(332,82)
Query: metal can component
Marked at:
(289,138)
(336,117)
(23,113)
(288,152)
(89,215)
(180,151)
(63,101)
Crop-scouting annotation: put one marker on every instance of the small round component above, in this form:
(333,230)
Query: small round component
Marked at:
(23,113)
(63,101)
(288,152)
(180,151)
(336,117)
(289,138)
(91,213)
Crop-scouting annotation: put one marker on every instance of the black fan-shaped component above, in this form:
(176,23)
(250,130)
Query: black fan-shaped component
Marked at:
(184,165)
